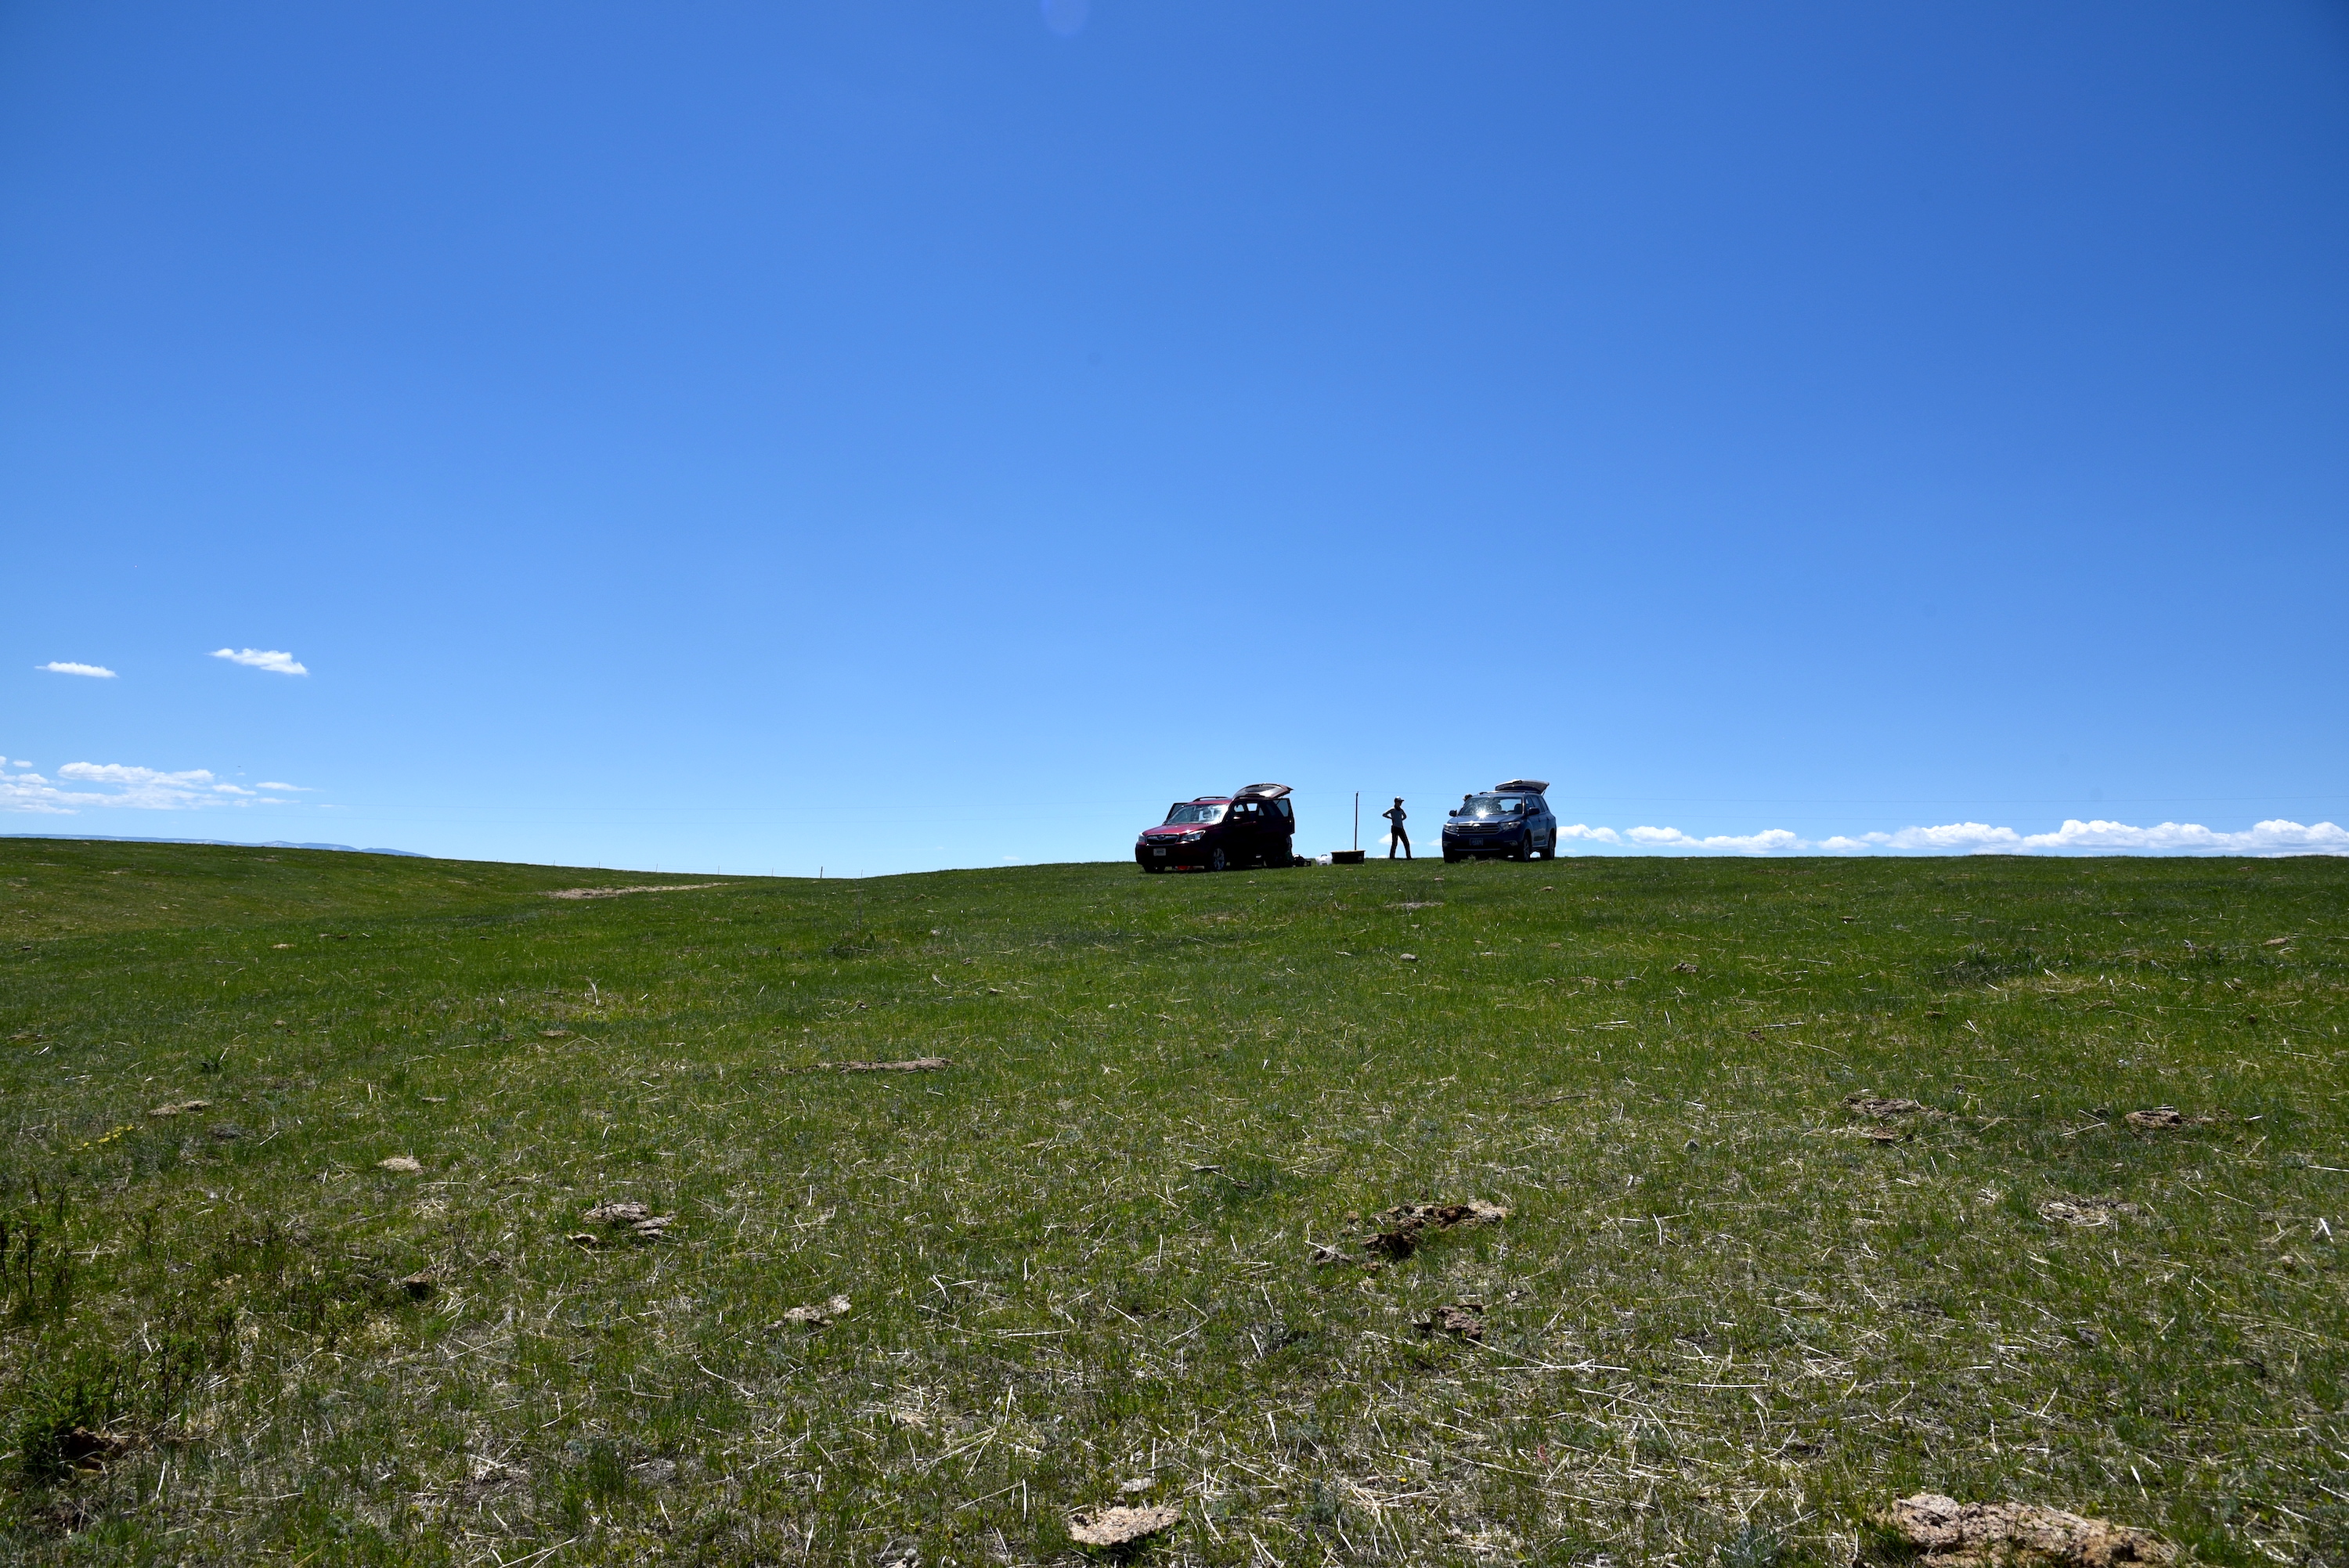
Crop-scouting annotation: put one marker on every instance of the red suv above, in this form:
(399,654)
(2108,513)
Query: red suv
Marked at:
(1216,832)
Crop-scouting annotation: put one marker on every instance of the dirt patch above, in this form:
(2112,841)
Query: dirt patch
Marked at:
(1402,1228)
(85,1449)
(1683,968)
(632,1217)
(912,1065)
(618,892)
(1884,1110)
(819,1315)
(2086,1212)
(2163,1119)
(2018,1535)
(181,1109)
(1120,1526)
(1461,1320)
(405,1165)
(425,1281)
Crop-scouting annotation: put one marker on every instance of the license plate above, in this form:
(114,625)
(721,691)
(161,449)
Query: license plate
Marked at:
(1158,851)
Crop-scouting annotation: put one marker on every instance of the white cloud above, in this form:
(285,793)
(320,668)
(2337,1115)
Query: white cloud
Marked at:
(82,786)
(266,784)
(263,659)
(1760,843)
(2275,836)
(67,667)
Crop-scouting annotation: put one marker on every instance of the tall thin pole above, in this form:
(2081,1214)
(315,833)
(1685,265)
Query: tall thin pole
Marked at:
(1358,819)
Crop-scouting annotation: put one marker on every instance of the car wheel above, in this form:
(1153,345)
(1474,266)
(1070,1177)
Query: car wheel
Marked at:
(1525,849)
(1550,852)
(1450,859)
(1216,861)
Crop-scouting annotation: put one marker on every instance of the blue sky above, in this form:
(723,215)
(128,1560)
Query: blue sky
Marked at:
(887,436)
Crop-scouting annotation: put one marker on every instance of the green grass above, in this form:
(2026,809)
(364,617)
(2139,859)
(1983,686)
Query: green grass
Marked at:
(1723,1326)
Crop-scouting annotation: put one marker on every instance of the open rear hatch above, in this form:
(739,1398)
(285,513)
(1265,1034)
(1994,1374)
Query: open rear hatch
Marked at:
(1261,792)
(1522,786)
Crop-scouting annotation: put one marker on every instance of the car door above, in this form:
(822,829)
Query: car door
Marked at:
(1262,825)
(1544,826)
(1243,831)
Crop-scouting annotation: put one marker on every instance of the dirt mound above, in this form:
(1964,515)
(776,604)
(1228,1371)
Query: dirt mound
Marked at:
(2162,1119)
(632,1217)
(1884,1109)
(819,1315)
(2018,1535)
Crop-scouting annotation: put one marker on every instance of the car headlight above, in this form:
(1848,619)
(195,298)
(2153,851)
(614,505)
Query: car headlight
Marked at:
(1194,835)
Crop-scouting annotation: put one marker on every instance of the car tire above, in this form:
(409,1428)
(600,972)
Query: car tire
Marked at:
(1451,859)
(1216,861)
(1525,849)
(1550,851)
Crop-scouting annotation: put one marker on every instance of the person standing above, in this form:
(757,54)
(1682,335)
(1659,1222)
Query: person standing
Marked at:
(1396,815)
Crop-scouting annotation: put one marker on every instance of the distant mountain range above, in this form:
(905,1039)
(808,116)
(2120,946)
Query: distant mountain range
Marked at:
(224,843)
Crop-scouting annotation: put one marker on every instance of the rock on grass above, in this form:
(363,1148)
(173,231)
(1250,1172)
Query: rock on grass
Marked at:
(1120,1526)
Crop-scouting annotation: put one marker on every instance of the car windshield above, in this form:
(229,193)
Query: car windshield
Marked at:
(1492,806)
(1191,811)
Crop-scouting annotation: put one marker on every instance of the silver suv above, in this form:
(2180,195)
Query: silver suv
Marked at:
(1510,820)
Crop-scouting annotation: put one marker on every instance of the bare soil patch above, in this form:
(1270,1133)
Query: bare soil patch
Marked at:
(619,892)
(2018,1535)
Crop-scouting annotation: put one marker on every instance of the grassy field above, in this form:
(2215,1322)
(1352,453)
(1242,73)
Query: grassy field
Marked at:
(1726,1317)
